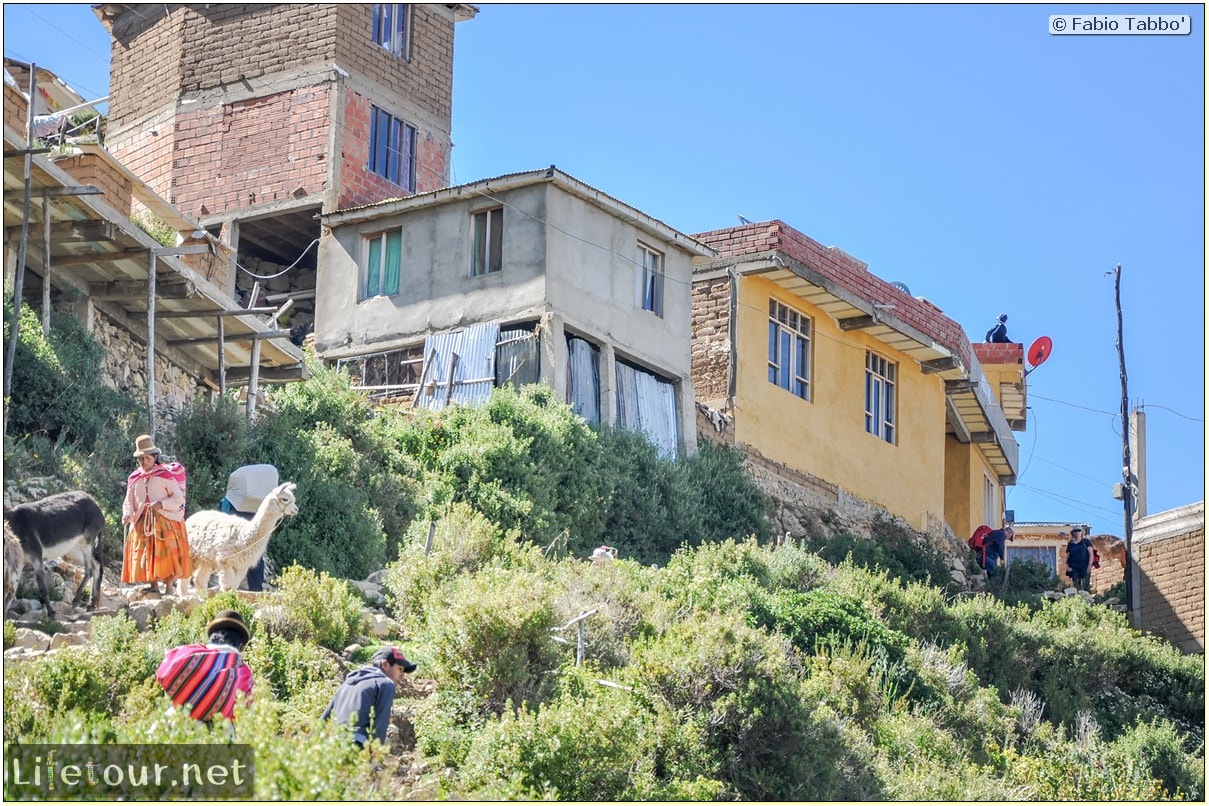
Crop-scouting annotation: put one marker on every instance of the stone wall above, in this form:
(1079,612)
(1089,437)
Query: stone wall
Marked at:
(802,504)
(125,369)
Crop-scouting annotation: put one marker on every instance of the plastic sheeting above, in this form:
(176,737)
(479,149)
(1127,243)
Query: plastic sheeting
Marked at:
(583,383)
(516,358)
(248,485)
(466,379)
(647,405)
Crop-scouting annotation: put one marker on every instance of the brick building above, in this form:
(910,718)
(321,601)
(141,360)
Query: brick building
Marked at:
(255,118)
(1169,584)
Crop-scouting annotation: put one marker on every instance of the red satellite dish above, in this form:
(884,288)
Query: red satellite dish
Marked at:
(1039,351)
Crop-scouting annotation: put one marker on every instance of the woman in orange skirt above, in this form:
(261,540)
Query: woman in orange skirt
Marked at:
(157,548)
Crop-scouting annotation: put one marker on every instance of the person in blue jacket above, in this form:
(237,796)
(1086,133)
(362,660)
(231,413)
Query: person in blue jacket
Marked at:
(365,697)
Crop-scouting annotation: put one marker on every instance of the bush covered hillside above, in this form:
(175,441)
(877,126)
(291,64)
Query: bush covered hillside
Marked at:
(716,665)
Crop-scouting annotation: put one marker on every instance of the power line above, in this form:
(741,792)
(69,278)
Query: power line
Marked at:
(1116,415)
(1173,411)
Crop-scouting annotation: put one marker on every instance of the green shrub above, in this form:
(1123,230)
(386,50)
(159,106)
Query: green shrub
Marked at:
(493,638)
(462,541)
(314,607)
(211,438)
(904,554)
(55,391)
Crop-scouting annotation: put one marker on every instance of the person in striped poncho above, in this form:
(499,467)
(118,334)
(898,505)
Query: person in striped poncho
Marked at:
(208,679)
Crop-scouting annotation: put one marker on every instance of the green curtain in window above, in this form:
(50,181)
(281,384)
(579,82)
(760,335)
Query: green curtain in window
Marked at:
(373,270)
(394,260)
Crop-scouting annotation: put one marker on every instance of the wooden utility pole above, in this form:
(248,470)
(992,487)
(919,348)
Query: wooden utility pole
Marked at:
(1126,460)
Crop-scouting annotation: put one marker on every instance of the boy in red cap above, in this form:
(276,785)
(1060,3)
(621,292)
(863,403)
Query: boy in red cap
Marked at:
(365,697)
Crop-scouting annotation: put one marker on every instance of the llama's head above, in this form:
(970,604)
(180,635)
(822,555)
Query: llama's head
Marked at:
(283,495)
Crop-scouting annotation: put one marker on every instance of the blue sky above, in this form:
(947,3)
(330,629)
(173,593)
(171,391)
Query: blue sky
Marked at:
(962,150)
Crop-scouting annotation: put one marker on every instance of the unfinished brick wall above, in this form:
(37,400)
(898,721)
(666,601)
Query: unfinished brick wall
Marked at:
(1172,584)
(711,338)
(91,169)
(16,109)
(250,152)
(998,353)
(426,80)
(846,271)
(357,184)
(144,65)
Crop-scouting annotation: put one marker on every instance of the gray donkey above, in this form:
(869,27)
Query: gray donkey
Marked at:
(61,524)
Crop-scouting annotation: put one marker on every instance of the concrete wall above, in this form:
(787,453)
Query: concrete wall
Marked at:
(1169,561)
(826,435)
(437,292)
(567,281)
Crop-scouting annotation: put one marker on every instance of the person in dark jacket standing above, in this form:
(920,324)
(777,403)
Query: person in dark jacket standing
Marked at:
(365,697)
(1078,559)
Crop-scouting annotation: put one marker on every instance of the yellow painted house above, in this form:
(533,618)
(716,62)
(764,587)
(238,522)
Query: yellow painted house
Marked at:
(819,366)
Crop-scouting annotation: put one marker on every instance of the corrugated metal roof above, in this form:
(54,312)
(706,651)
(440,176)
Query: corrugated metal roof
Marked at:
(466,379)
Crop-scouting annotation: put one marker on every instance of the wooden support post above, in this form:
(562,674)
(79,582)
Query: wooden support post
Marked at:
(432,531)
(151,342)
(46,266)
(453,365)
(254,379)
(222,359)
(19,279)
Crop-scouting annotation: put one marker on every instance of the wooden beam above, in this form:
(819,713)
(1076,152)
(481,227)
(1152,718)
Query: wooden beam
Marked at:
(68,231)
(237,338)
(68,261)
(214,312)
(132,289)
(857,322)
(72,190)
(267,374)
(953,387)
(939,365)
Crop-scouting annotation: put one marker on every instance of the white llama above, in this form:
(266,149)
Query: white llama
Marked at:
(219,542)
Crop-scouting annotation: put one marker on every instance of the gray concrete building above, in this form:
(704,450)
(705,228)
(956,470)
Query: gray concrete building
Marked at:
(527,277)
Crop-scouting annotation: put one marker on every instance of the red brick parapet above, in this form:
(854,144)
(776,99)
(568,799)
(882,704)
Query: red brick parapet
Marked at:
(1008,353)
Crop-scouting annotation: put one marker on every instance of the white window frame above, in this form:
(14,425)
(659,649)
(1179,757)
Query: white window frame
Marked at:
(380,289)
(487,253)
(395,161)
(790,347)
(881,397)
(990,500)
(650,280)
(391,28)
(1014,552)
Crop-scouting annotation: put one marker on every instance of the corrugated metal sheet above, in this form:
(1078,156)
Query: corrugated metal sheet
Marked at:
(473,373)
(647,405)
(517,358)
(583,381)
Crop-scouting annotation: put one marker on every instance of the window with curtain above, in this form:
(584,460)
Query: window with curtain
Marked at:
(650,290)
(392,149)
(881,399)
(392,28)
(789,349)
(487,254)
(383,264)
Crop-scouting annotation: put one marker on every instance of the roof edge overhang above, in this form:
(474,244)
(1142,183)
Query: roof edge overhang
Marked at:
(499,184)
(971,407)
(849,309)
